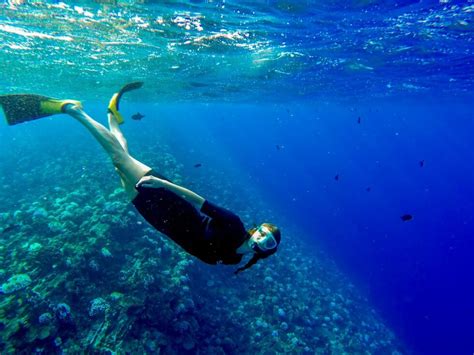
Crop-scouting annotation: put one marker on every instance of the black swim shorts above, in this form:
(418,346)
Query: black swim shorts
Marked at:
(170,214)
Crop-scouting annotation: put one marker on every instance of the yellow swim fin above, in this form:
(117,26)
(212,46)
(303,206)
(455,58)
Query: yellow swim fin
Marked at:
(53,106)
(20,108)
(113,107)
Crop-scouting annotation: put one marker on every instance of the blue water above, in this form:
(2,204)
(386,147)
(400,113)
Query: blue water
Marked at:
(340,116)
(417,273)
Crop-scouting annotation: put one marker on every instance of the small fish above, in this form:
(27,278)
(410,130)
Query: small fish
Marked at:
(358,120)
(421,163)
(336,177)
(406,217)
(198,165)
(138,116)
(368,189)
(10,228)
(279,147)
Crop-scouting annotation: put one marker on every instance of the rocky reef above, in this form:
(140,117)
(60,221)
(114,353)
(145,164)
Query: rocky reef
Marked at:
(81,271)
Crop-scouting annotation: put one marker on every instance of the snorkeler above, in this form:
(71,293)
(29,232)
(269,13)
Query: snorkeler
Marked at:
(211,233)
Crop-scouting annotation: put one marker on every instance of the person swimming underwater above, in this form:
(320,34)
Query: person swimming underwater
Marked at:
(210,232)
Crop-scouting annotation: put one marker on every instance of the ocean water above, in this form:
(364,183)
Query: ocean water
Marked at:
(331,119)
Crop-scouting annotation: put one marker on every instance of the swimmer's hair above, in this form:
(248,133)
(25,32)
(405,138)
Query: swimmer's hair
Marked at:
(253,261)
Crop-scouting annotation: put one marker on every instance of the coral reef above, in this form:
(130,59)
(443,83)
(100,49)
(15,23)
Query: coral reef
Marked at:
(83,272)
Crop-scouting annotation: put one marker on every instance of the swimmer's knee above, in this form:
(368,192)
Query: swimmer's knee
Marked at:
(119,160)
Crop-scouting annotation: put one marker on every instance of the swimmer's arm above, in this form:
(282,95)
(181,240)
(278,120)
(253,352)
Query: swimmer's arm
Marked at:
(190,196)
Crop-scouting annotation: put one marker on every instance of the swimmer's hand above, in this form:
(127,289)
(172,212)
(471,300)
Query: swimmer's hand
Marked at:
(150,181)
(190,196)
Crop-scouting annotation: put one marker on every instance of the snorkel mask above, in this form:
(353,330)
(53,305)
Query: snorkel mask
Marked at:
(262,241)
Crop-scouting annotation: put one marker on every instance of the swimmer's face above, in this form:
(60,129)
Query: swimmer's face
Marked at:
(262,240)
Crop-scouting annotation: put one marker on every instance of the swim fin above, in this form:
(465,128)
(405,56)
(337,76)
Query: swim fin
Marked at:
(20,108)
(113,107)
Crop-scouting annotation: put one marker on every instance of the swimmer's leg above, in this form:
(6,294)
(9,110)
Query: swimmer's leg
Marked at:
(129,169)
(117,132)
